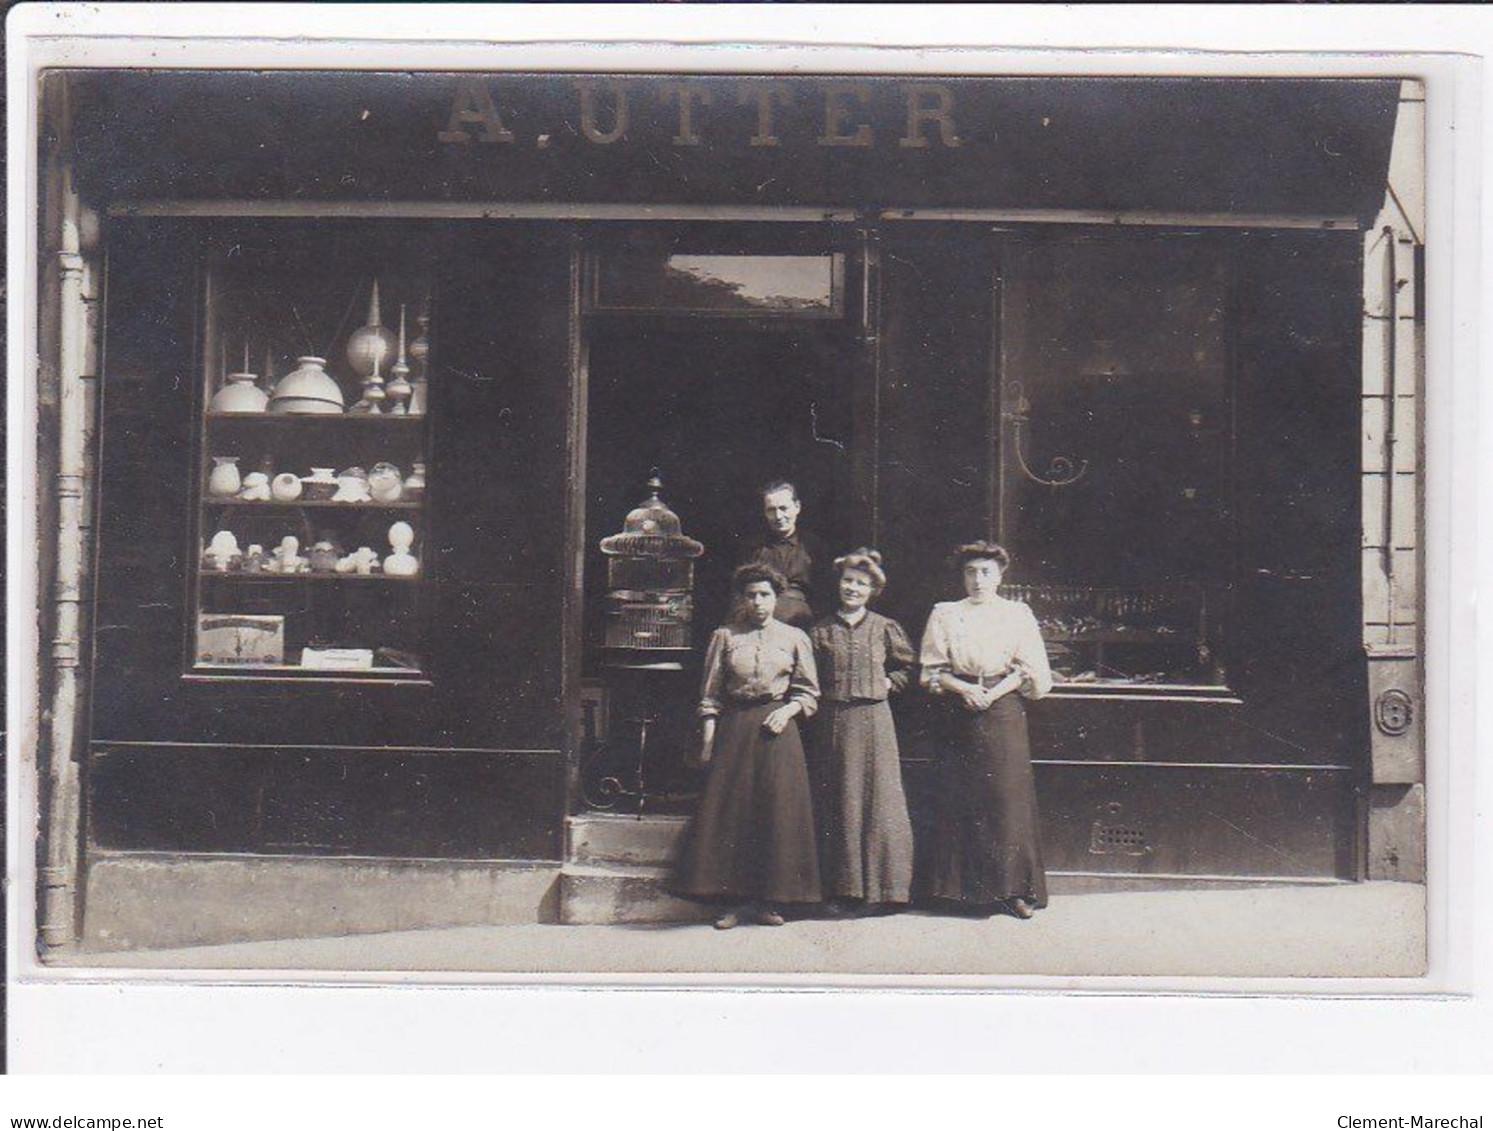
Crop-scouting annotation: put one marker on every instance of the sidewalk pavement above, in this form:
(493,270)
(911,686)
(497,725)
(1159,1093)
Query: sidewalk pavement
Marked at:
(1307,930)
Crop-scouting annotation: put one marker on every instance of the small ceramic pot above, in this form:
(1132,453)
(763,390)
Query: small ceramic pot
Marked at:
(320,485)
(414,483)
(324,558)
(287,556)
(286,487)
(222,552)
(385,483)
(362,562)
(224,481)
(256,488)
(352,487)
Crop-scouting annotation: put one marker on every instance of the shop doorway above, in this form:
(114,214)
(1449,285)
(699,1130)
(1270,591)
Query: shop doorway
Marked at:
(718,411)
(716,407)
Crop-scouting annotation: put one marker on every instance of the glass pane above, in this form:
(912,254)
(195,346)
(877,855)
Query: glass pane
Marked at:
(312,468)
(1116,454)
(759,285)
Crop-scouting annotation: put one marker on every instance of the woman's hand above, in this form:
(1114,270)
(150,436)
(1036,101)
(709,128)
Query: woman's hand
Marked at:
(966,693)
(707,741)
(1027,685)
(1011,682)
(777,721)
(972,694)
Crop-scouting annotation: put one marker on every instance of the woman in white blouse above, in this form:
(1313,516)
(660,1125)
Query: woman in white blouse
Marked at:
(984,655)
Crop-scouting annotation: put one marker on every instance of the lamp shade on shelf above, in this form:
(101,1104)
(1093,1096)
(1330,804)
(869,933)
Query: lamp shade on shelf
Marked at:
(240,394)
(308,388)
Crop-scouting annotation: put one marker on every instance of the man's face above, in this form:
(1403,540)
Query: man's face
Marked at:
(781,509)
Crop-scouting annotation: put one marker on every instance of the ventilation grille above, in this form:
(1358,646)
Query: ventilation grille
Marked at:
(1107,839)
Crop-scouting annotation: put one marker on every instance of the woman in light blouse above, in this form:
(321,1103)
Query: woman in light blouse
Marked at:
(976,653)
(751,847)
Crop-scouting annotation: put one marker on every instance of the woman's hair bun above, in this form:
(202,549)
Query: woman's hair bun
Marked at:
(981,551)
(868,561)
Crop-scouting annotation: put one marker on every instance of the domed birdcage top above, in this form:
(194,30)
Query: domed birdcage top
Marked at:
(651,530)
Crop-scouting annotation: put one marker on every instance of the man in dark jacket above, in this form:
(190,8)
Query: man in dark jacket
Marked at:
(795,553)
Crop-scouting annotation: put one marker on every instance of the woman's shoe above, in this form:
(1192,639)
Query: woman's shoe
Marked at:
(1021,908)
(768,917)
(727,921)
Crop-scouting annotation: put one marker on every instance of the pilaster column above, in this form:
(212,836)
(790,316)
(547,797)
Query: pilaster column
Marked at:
(1393,373)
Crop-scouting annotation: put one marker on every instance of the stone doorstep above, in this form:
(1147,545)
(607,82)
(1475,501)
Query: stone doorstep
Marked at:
(622,894)
(616,867)
(610,838)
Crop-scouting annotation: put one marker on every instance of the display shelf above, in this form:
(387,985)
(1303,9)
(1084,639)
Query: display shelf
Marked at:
(1218,694)
(287,578)
(265,673)
(328,504)
(281,669)
(289,419)
(1115,636)
(256,312)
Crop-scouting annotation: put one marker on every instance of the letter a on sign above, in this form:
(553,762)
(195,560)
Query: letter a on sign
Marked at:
(473,107)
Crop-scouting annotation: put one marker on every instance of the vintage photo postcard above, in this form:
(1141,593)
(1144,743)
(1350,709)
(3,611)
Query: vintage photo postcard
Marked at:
(718,521)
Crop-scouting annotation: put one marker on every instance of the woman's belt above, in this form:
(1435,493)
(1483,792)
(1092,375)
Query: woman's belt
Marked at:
(982,680)
(756,700)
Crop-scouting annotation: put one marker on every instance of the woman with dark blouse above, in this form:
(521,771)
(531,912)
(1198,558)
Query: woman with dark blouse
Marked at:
(865,835)
(976,653)
(751,846)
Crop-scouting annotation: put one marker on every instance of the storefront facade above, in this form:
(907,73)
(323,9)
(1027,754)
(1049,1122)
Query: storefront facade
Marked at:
(1156,337)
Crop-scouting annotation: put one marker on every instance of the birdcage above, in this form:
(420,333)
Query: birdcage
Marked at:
(650,578)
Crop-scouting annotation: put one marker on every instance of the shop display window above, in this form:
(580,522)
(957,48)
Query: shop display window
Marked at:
(1117,453)
(1141,638)
(312,475)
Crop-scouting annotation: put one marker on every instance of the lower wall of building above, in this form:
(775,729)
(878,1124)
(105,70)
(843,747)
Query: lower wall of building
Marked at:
(1155,820)
(1107,826)
(1168,821)
(1397,833)
(198,846)
(139,901)
(336,801)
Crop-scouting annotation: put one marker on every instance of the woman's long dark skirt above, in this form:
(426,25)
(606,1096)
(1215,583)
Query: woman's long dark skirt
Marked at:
(865,835)
(987,837)
(753,836)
